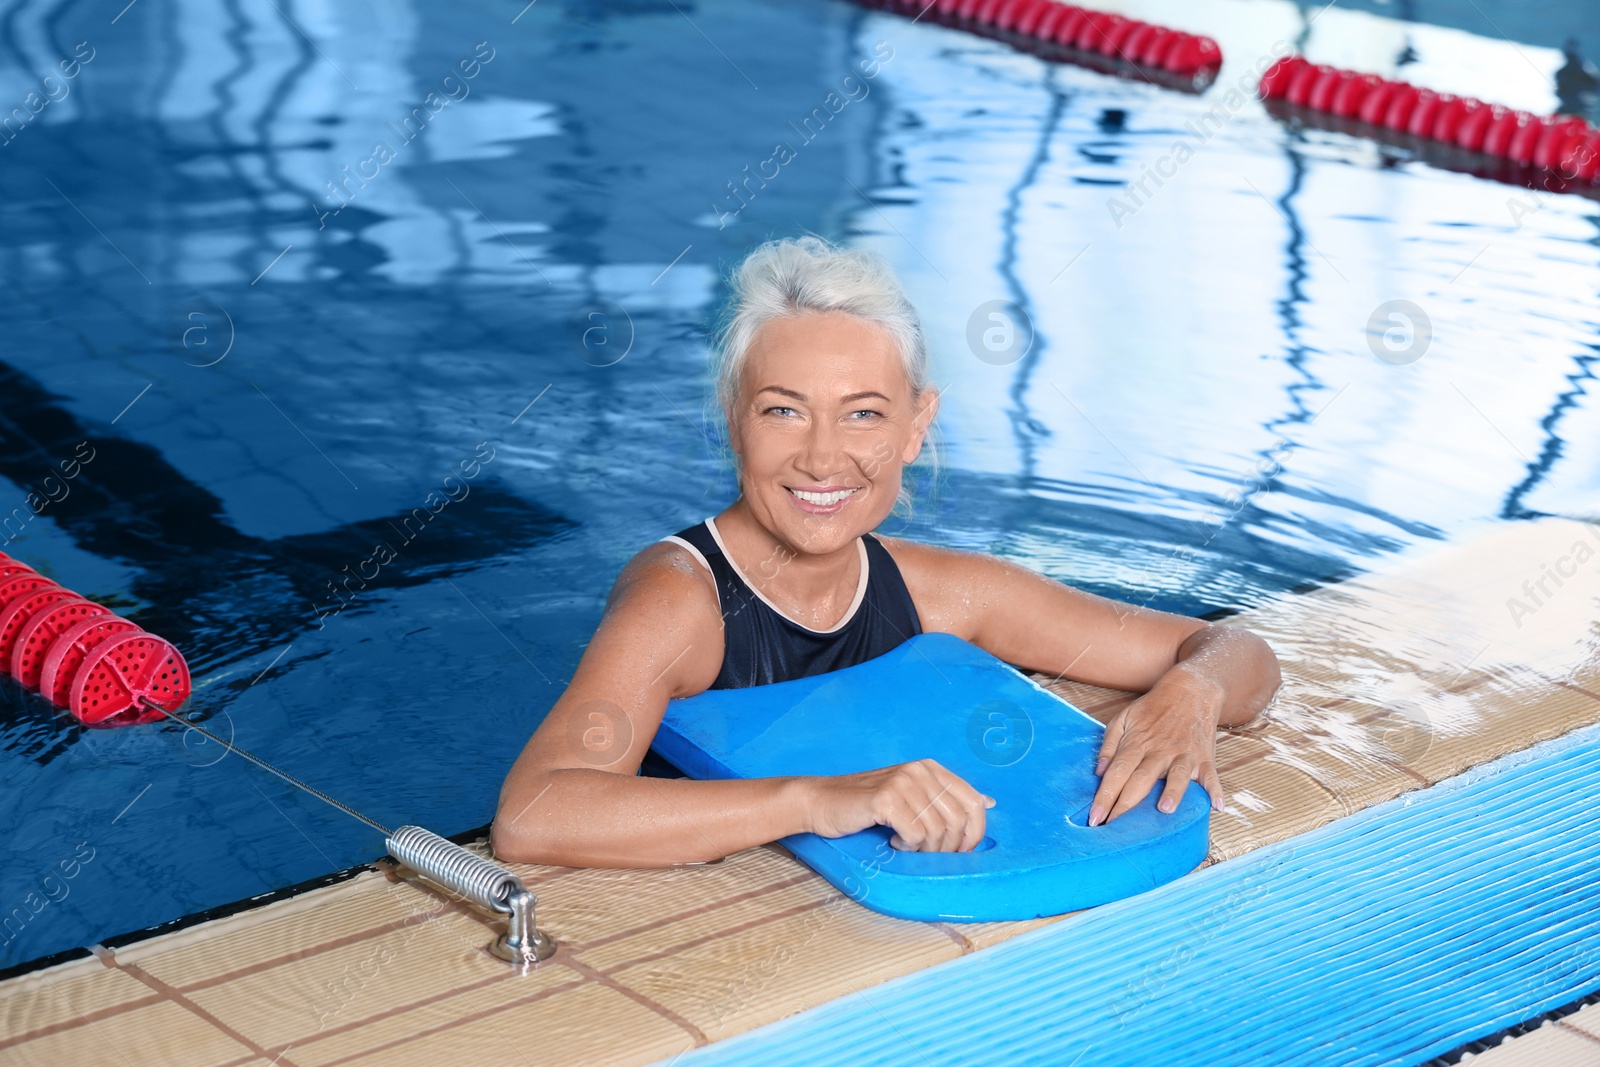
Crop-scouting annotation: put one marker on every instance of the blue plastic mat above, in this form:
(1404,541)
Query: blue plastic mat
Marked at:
(1389,937)
(938,697)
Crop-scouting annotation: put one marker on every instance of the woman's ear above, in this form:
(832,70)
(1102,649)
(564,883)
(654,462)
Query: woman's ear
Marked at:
(925,405)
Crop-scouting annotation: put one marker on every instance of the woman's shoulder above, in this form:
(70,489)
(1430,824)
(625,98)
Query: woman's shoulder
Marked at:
(667,570)
(917,557)
(661,627)
(944,583)
(951,569)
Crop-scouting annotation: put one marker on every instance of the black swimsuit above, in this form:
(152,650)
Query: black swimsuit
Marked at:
(762,645)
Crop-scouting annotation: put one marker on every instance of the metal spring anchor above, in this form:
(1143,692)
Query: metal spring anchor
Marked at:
(441,861)
(484,883)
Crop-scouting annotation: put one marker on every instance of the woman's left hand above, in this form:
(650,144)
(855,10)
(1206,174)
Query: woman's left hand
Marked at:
(1169,732)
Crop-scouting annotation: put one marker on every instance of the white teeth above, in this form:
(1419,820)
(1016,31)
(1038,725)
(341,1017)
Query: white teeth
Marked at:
(822,499)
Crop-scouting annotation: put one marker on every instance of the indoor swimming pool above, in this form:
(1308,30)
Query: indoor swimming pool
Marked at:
(379,340)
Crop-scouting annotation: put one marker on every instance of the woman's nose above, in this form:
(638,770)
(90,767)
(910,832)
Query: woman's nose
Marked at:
(822,450)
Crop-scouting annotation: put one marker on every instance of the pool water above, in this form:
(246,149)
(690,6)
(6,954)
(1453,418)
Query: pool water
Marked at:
(386,331)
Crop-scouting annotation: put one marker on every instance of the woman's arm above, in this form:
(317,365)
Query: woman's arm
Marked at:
(574,798)
(1195,676)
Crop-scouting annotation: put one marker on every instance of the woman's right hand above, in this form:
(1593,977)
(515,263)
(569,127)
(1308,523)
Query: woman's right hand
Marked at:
(928,808)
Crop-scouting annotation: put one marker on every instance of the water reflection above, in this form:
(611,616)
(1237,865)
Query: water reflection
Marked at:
(1157,335)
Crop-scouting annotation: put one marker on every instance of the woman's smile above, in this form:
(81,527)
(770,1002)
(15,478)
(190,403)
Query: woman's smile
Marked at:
(822,499)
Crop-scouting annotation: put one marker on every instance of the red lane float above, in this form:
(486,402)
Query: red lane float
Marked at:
(1093,33)
(80,656)
(37,635)
(10,568)
(21,585)
(1560,143)
(15,615)
(68,652)
(124,675)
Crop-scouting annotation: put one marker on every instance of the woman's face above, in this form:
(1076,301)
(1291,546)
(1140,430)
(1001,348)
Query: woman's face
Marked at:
(824,422)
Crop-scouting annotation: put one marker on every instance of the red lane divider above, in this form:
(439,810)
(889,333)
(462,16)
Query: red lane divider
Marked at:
(1140,44)
(67,653)
(39,633)
(82,657)
(1562,143)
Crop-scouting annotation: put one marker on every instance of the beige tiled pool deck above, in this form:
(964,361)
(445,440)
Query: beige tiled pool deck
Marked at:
(1393,681)
(1570,1042)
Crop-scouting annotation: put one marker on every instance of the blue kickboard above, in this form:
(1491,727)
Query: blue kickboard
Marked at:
(936,696)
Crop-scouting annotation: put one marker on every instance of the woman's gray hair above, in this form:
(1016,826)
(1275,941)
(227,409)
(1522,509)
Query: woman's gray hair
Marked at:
(806,275)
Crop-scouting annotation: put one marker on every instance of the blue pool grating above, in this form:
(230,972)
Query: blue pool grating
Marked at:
(1389,937)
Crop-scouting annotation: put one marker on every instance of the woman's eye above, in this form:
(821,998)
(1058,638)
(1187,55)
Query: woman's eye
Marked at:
(866,415)
(778,411)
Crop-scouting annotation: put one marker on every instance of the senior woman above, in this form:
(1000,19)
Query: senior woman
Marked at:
(823,379)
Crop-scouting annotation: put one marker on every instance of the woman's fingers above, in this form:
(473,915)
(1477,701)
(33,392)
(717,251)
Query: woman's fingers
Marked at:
(1112,783)
(1129,779)
(928,808)
(934,810)
(1113,739)
(1138,784)
(965,808)
(1125,784)
(1120,755)
(1213,783)
(914,791)
(1178,777)
(945,811)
